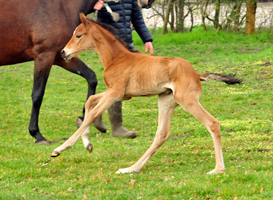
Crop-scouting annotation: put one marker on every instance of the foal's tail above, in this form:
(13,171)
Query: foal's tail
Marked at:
(228,79)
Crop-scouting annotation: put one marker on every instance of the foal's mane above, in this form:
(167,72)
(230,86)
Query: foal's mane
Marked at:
(112,31)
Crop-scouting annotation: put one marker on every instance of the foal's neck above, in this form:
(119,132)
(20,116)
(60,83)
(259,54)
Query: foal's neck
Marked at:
(109,47)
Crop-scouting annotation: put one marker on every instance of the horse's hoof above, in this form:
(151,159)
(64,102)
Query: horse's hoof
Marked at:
(42,142)
(79,122)
(102,129)
(89,147)
(100,125)
(55,154)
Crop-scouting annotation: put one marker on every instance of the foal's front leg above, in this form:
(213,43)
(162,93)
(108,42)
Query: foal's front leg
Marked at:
(89,105)
(105,102)
(166,104)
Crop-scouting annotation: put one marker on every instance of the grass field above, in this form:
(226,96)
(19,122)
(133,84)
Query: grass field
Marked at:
(178,170)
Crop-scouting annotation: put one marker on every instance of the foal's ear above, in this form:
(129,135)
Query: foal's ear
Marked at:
(83,19)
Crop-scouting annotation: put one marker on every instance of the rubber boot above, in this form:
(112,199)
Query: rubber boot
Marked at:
(115,117)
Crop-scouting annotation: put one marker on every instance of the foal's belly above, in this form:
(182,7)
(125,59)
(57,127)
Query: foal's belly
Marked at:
(146,92)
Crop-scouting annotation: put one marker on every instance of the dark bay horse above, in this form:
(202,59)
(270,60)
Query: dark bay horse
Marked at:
(135,74)
(37,30)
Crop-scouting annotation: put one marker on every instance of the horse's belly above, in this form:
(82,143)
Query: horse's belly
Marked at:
(9,59)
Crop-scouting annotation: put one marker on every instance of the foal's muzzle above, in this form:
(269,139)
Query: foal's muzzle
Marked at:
(63,53)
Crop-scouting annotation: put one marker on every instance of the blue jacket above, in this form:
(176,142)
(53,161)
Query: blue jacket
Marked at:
(128,11)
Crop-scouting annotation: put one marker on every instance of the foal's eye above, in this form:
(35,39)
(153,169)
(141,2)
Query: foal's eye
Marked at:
(78,36)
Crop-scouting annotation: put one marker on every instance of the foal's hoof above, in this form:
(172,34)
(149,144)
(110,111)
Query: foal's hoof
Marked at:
(89,147)
(55,154)
(215,171)
(126,170)
(119,172)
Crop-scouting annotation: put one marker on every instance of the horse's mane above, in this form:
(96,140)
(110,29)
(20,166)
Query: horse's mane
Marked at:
(111,30)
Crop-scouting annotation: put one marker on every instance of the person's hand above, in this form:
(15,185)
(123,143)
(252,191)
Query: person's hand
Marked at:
(99,5)
(149,46)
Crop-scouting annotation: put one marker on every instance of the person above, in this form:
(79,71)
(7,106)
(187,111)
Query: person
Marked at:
(129,12)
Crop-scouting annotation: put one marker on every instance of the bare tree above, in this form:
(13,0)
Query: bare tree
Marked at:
(223,14)
(232,15)
(250,16)
(181,16)
(237,16)
(217,13)
(185,9)
(204,15)
(166,19)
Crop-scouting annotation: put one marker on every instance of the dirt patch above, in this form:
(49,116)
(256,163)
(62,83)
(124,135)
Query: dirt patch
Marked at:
(51,142)
(267,63)
(259,150)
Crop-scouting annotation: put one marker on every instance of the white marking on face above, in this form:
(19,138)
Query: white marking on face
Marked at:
(75,31)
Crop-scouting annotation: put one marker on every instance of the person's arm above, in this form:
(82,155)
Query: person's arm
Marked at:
(141,28)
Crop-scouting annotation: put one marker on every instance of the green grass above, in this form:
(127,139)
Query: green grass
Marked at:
(178,169)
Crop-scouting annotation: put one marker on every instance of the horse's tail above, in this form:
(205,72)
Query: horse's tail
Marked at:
(228,79)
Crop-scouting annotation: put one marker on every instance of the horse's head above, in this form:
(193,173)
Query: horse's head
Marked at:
(145,3)
(80,40)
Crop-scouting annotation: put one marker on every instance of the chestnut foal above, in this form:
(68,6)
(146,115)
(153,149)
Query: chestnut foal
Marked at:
(132,74)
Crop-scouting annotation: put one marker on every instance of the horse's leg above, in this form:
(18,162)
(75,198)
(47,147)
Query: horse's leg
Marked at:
(42,66)
(166,105)
(105,102)
(190,102)
(76,66)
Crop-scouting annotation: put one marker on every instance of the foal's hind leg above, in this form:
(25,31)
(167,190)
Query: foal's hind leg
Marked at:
(166,104)
(190,103)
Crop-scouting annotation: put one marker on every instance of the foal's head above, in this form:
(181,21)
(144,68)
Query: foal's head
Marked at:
(80,41)
(88,35)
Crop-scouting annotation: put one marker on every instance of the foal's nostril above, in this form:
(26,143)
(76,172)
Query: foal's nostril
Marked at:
(62,52)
